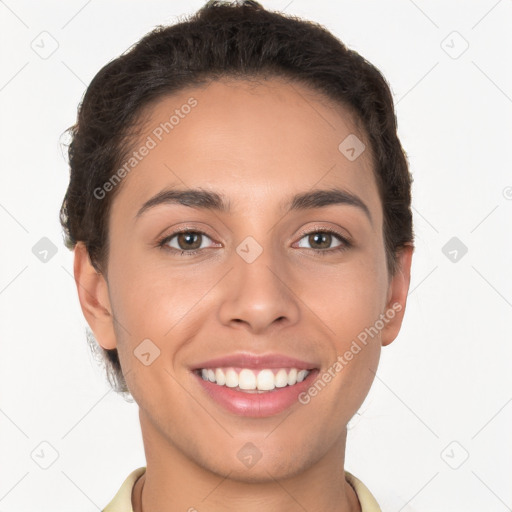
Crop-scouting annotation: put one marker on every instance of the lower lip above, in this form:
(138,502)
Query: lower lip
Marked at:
(257,405)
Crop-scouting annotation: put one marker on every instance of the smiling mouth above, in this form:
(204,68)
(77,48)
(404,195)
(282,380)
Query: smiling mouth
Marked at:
(249,380)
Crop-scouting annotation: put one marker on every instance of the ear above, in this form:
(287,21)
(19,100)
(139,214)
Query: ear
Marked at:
(397,295)
(93,296)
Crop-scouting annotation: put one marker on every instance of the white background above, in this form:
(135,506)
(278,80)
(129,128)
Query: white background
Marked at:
(446,380)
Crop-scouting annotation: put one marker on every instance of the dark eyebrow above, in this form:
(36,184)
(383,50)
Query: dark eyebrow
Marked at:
(195,198)
(208,200)
(321,198)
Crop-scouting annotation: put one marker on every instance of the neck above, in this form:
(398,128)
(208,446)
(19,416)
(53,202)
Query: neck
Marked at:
(173,481)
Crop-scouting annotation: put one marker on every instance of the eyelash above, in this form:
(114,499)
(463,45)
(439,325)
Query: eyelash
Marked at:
(345,244)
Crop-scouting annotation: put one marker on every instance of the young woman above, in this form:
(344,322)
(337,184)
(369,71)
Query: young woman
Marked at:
(239,209)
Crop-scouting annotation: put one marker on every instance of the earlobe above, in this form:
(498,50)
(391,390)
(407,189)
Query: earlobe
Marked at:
(397,295)
(92,291)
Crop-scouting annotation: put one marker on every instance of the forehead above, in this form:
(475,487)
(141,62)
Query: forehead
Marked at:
(253,141)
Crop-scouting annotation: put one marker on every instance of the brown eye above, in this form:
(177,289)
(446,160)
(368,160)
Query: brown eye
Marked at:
(189,240)
(185,241)
(322,240)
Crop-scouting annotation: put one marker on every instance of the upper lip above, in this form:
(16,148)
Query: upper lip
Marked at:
(256,361)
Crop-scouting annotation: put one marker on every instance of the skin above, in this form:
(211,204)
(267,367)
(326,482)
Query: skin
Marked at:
(257,145)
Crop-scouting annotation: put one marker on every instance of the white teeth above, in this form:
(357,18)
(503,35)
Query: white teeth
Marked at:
(281,378)
(248,380)
(300,376)
(265,380)
(231,378)
(220,378)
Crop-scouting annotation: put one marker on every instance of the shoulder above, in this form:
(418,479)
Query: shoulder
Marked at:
(365,497)
(122,501)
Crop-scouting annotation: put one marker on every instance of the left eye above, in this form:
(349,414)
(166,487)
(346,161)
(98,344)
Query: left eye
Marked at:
(322,239)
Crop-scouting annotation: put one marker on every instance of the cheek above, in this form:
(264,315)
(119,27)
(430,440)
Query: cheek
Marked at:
(148,297)
(153,302)
(348,298)
(151,307)
(350,303)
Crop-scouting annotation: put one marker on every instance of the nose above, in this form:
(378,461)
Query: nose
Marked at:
(258,295)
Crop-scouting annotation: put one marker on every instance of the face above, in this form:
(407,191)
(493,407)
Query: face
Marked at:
(266,295)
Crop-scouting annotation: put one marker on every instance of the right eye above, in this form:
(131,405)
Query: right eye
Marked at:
(185,241)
